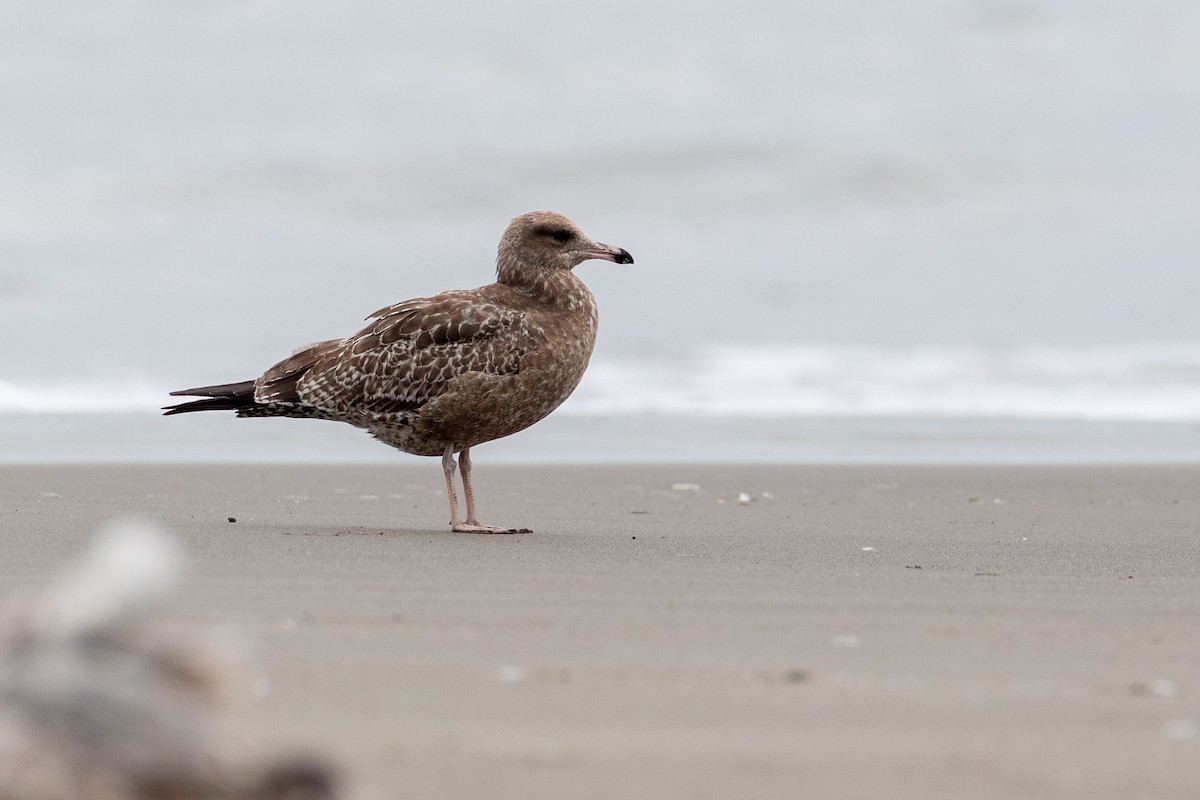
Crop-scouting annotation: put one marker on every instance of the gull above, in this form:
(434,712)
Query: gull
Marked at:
(436,376)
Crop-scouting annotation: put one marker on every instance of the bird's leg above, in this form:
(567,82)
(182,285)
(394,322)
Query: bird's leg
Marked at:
(448,467)
(473,525)
(464,462)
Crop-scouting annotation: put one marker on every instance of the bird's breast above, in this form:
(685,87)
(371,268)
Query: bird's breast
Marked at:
(478,407)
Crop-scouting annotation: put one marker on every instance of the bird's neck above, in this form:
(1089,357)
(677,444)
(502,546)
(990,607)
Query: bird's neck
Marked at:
(558,288)
(512,270)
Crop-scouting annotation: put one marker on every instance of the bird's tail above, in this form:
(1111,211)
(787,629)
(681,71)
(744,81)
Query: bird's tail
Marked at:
(277,390)
(223,397)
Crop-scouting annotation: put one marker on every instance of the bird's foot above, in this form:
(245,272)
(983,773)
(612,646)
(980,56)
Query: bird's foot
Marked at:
(475,527)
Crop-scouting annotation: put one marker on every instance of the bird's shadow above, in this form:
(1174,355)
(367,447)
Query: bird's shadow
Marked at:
(392,533)
(364,531)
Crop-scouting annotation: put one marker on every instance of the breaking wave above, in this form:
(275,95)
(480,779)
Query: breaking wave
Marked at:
(1135,382)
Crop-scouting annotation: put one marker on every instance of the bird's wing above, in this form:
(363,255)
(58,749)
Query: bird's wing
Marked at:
(412,350)
(280,384)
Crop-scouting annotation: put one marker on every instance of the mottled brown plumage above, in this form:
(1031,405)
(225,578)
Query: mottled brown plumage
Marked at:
(435,376)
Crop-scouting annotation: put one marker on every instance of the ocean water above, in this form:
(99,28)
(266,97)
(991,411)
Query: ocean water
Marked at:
(964,225)
(1144,383)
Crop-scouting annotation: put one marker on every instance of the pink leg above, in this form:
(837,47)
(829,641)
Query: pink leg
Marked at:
(448,467)
(473,525)
(464,463)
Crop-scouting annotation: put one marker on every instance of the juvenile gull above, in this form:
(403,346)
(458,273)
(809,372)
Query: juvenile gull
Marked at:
(435,376)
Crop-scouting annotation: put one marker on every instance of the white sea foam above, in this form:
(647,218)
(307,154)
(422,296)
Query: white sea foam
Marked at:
(1135,382)
(1146,383)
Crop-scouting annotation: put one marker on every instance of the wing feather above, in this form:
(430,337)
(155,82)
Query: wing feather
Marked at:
(412,350)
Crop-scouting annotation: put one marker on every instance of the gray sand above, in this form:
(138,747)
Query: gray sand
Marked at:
(870,632)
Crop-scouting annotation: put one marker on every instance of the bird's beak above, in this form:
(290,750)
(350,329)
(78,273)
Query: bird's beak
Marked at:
(607,252)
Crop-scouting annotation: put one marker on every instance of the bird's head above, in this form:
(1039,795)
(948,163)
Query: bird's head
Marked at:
(542,240)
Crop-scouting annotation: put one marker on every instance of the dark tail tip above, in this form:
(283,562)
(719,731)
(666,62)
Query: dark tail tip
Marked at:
(209,404)
(239,389)
(222,397)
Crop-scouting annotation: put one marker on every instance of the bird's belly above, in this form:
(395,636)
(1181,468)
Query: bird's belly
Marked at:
(404,438)
(478,408)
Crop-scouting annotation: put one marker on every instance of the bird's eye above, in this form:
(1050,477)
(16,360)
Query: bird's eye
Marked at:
(560,235)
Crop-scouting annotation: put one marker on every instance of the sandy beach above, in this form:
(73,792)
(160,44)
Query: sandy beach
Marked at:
(848,632)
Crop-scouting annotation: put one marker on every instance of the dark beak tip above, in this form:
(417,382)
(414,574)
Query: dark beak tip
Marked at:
(623,257)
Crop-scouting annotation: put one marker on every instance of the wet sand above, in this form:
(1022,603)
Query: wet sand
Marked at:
(849,632)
